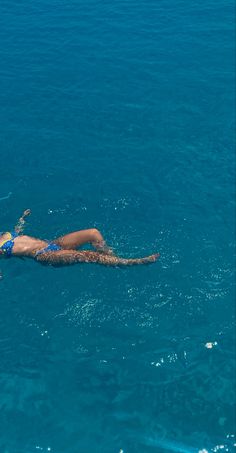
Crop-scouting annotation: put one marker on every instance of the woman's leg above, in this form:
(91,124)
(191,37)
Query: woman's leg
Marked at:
(74,240)
(66,257)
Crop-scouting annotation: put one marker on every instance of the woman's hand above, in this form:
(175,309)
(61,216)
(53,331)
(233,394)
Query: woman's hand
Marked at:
(26,213)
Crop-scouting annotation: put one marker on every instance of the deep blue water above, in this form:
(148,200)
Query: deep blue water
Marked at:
(119,115)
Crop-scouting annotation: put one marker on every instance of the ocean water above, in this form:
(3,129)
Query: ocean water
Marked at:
(119,115)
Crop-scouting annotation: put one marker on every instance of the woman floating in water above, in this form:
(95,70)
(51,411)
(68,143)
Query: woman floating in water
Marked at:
(63,250)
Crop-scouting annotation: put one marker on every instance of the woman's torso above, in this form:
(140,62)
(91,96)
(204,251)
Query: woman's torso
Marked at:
(27,245)
(23,245)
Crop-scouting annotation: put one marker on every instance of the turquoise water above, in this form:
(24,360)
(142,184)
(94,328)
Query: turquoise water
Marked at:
(119,115)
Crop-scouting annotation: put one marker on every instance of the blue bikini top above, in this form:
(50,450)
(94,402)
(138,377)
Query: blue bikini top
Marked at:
(6,245)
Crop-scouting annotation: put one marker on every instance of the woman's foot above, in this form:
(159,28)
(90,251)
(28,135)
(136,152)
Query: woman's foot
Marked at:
(103,248)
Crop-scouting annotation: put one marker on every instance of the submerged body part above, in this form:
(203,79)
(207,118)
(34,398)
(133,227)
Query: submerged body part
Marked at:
(66,257)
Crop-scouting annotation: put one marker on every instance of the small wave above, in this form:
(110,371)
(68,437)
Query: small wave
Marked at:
(6,196)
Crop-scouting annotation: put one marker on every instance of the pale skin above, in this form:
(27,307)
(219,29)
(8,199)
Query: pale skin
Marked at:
(27,246)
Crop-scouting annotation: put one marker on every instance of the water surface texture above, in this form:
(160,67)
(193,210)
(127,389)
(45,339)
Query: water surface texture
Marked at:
(119,115)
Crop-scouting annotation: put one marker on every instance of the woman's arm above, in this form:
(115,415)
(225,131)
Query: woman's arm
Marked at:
(19,228)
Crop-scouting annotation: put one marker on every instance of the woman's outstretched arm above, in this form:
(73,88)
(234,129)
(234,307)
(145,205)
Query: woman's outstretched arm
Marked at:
(67,257)
(19,228)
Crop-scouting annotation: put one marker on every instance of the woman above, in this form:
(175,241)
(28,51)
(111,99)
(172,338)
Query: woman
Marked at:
(63,250)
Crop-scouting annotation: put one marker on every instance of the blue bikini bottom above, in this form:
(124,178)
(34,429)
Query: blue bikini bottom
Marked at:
(51,247)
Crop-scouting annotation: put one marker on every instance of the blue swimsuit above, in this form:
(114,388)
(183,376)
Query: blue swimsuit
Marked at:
(51,247)
(7,245)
